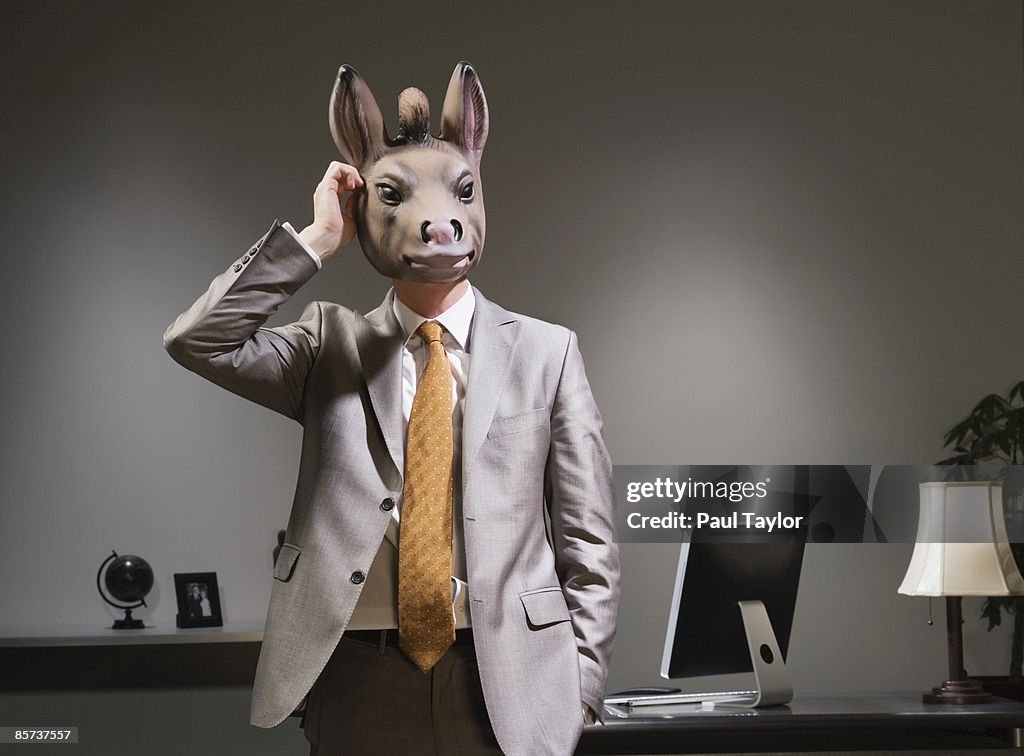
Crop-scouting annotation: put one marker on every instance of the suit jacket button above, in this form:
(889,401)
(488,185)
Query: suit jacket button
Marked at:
(388,504)
(238,267)
(245,259)
(357,577)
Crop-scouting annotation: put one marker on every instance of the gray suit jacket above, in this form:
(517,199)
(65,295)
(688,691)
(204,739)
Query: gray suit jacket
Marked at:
(542,563)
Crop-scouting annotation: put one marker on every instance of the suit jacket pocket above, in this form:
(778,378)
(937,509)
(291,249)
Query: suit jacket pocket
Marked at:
(544,607)
(285,564)
(524,421)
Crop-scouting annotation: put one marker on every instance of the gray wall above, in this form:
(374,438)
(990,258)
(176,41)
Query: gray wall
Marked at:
(785,233)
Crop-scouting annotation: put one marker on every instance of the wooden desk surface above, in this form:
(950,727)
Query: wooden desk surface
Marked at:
(811,723)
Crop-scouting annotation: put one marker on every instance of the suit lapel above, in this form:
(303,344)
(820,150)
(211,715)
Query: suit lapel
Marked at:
(492,347)
(379,340)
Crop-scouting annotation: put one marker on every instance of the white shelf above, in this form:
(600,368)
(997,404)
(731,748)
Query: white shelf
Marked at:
(99,635)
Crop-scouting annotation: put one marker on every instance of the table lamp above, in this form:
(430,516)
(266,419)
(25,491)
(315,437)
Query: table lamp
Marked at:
(961,550)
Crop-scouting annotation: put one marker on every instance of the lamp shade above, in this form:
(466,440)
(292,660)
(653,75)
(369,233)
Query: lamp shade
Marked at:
(962,548)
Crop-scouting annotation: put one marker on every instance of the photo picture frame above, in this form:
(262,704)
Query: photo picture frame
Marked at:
(198,599)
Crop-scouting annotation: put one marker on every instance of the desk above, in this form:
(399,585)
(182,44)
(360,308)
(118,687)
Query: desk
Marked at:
(848,723)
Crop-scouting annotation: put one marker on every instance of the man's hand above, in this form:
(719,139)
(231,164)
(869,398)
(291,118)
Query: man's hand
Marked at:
(333,227)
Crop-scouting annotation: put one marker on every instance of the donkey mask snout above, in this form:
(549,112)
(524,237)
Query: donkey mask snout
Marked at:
(421,215)
(445,232)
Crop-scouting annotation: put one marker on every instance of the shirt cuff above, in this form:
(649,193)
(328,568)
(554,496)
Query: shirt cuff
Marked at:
(295,235)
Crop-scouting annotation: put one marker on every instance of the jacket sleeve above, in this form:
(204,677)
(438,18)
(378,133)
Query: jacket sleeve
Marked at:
(221,337)
(581,504)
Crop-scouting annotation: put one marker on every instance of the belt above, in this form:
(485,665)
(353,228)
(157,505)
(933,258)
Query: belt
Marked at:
(463,637)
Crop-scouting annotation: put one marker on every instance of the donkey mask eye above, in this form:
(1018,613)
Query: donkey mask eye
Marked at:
(388,195)
(466,192)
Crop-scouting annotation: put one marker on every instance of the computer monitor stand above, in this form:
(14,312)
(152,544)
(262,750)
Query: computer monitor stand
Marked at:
(770,675)
(772,685)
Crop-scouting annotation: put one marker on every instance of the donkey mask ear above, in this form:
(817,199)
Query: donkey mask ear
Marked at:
(464,119)
(356,122)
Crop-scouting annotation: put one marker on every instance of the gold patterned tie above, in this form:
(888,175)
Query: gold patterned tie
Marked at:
(426,627)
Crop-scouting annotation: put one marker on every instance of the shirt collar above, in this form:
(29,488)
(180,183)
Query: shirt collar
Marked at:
(456,319)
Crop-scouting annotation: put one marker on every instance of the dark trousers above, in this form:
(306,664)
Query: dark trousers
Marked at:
(371,699)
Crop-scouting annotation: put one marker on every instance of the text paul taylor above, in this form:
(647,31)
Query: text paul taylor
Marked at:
(733,521)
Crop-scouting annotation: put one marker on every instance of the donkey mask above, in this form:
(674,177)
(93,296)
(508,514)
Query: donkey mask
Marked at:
(421,215)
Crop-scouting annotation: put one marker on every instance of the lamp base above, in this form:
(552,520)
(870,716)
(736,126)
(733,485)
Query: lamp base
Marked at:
(958,693)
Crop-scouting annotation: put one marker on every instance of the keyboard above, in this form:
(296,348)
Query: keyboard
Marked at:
(667,699)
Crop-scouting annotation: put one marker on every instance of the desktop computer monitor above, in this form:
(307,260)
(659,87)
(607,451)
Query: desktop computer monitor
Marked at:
(735,595)
(706,634)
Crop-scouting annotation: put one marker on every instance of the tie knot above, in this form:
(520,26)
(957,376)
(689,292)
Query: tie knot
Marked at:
(430,331)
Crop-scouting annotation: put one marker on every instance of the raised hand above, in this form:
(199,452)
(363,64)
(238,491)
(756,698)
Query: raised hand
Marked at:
(332,226)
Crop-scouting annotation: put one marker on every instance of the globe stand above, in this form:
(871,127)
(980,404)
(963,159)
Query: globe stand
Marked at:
(129,578)
(129,622)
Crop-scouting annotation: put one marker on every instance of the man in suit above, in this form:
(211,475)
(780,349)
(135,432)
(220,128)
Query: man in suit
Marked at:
(195,601)
(526,528)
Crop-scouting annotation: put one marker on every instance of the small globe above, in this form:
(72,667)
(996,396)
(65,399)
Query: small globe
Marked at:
(129,578)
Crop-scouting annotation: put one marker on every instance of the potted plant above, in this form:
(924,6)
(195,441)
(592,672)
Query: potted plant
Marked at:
(993,434)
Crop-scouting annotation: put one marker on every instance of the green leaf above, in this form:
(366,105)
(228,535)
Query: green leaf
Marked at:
(990,611)
(961,430)
(1016,393)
